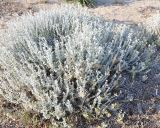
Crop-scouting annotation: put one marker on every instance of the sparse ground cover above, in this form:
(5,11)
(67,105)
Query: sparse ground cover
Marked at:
(143,108)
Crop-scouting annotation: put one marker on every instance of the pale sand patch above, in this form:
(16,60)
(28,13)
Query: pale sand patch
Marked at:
(135,11)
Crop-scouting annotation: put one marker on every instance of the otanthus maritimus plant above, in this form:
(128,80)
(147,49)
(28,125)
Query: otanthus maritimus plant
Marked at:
(66,62)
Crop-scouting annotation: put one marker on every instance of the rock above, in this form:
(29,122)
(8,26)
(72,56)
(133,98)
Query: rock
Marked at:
(158,108)
(139,107)
(109,2)
(32,1)
(53,1)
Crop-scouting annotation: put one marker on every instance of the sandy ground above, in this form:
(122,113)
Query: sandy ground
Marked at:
(133,11)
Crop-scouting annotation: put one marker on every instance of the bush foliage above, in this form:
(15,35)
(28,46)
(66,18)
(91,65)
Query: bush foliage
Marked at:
(65,63)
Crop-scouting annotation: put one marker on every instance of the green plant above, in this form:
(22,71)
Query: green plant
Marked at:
(89,3)
(66,64)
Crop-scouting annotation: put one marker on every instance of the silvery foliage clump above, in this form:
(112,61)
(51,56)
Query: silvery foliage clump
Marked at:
(63,62)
